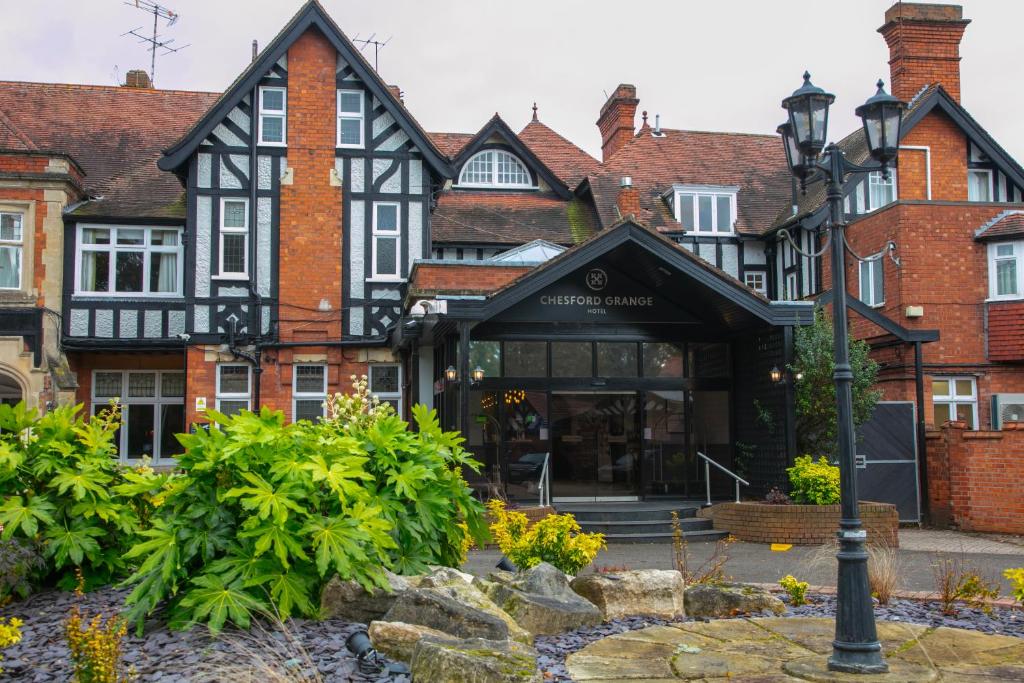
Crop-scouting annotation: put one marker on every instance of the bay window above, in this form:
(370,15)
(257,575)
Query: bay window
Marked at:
(233,381)
(309,392)
(706,210)
(350,118)
(152,411)
(273,113)
(1006,270)
(386,240)
(12,248)
(128,260)
(234,238)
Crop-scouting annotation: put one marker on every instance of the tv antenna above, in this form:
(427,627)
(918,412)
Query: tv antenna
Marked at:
(154,40)
(377,45)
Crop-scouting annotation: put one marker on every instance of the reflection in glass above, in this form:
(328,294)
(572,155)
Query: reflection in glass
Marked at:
(526,359)
(486,355)
(616,359)
(709,360)
(662,359)
(572,359)
(524,439)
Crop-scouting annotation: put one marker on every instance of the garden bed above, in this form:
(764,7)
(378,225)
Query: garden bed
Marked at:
(802,524)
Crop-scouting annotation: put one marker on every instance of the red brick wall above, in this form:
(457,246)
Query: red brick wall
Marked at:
(1006,331)
(434,278)
(974,479)
(83,365)
(924,47)
(948,150)
(616,120)
(801,524)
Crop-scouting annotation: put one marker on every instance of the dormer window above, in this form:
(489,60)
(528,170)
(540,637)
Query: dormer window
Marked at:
(705,210)
(494,168)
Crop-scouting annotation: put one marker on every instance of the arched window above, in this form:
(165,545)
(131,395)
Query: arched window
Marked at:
(494,168)
(10,389)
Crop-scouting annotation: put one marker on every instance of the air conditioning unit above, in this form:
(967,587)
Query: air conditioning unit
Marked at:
(1007,408)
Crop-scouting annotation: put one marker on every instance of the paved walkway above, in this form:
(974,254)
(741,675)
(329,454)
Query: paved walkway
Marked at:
(792,649)
(937,540)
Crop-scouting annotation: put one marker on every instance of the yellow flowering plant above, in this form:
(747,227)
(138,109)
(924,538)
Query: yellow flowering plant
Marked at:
(1016,578)
(797,590)
(556,539)
(95,645)
(10,633)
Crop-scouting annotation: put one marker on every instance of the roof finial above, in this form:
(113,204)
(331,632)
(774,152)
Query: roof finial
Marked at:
(644,126)
(535,112)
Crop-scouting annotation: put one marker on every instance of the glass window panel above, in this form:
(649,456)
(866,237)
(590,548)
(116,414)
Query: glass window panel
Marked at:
(1004,250)
(572,359)
(351,102)
(878,283)
(704,213)
(273,100)
(273,128)
(131,237)
(96,236)
(107,384)
(1006,277)
(172,421)
(964,388)
(865,282)
(234,252)
(10,267)
(510,171)
(616,359)
(164,238)
(686,211)
(163,272)
(387,217)
(723,219)
(485,355)
(394,403)
(10,227)
(351,131)
(978,186)
(387,256)
(141,430)
(709,360)
(129,271)
(234,379)
(941,413)
(172,384)
(230,407)
(234,215)
(526,359)
(479,169)
(663,360)
(965,413)
(309,379)
(309,409)
(384,379)
(940,387)
(142,384)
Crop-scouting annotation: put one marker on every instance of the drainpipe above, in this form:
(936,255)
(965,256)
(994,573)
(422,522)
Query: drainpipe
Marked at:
(922,446)
(253,243)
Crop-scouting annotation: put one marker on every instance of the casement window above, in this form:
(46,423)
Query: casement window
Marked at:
(872,282)
(955,399)
(706,210)
(152,411)
(791,292)
(495,168)
(309,392)
(12,249)
(387,233)
(755,280)
(1006,270)
(351,117)
(979,185)
(273,116)
(128,261)
(234,238)
(233,387)
(386,384)
(881,191)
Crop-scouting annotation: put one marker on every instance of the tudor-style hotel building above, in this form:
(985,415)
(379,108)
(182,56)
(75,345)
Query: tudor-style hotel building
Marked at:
(259,246)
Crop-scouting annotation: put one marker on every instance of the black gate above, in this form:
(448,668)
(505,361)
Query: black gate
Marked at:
(887,459)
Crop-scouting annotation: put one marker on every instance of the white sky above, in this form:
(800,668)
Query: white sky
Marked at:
(704,65)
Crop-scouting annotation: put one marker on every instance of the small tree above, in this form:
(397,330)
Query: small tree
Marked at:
(816,420)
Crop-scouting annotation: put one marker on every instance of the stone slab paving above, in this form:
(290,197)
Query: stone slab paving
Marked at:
(940,540)
(770,650)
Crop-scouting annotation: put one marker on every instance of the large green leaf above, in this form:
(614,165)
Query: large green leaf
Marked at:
(270,534)
(161,550)
(214,601)
(24,515)
(288,590)
(267,500)
(82,481)
(73,543)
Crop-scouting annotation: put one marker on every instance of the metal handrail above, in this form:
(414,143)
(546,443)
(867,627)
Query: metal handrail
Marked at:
(707,476)
(545,494)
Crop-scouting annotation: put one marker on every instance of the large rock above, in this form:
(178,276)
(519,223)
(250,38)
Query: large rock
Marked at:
(726,600)
(444,576)
(461,610)
(647,592)
(349,601)
(540,600)
(474,661)
(398,640)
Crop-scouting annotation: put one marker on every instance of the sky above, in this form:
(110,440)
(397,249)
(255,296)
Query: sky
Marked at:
(708,65)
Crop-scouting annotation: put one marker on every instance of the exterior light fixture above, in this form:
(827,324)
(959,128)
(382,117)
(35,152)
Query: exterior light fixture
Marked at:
(451,374)
(775,374)
(882,116)
(794,157)
(478,374)
(808,116)
(798,376)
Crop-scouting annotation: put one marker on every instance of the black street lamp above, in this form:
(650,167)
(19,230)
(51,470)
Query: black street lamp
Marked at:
(856,648)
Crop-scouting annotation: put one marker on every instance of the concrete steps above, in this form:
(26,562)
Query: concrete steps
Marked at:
(641,522)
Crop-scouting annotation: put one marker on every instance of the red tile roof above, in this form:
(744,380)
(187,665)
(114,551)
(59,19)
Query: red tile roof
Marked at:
(512,218)
(451,144)
(566,160)
(1005,225)
(11,137)
(114,133)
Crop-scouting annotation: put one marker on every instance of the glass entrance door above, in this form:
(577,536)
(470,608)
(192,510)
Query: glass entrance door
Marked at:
(595,443)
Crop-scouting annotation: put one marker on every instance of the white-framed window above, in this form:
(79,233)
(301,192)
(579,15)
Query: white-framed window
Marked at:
(234,381)
(387,239)
(234,238)
(955,399)
(706,210)
(881,191)
(309,392)
(128,261)
(872,281)
(386,384)
(12,249)
(495,168)
(979,185)
(1006,270)
(755,279)
(273,115)
(152,411)
(791,290)
(351,118)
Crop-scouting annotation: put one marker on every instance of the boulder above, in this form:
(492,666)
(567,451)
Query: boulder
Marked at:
(726,600)
(398,640)
(474,661)
(443,576)
(540,600)
(646,592)
(349,601)
(461,610)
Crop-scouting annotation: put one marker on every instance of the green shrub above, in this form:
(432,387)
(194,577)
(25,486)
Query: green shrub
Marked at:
(1016,578)
(816,483)
(556,539)
(263,513)
(797,590)
(65,492)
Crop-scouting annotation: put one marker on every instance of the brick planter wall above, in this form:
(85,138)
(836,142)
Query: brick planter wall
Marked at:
(802,524)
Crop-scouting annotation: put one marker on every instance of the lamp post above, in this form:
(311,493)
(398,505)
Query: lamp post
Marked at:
(856,648)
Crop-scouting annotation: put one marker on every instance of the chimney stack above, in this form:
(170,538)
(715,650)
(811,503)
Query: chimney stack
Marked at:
(616,120)
(255,49)
(396,92)
(924,47)
(137,78)
(629,198)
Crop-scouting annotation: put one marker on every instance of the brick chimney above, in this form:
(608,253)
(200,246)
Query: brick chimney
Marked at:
(396,92)
(616,119)
(628,200)
(924,47)
(137,78)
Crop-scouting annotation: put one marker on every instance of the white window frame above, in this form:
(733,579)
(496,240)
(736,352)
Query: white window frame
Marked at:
(953,399)
(991,188)
(306,395)
(147,249)
(706,190)
(281,114)
(750,275)
(235,396)
(790,287)
(387,395)
(395,234)
(993,279)
(18,246)
(529,185)
(361,117)
(875,179)
(871,264)
(126,402)
(221,274)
